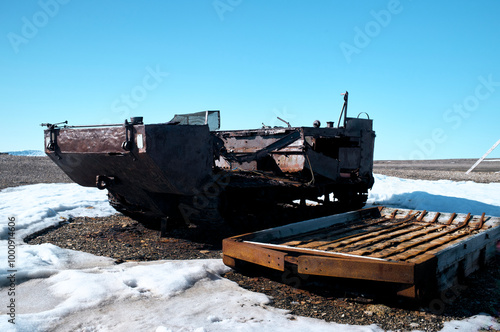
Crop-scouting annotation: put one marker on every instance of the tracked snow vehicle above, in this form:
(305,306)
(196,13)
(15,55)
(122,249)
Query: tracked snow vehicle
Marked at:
(187,169)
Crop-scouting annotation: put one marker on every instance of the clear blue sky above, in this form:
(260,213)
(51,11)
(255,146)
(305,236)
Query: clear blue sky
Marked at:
(427,72)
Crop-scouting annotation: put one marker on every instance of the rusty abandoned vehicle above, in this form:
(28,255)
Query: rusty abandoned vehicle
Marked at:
(189,170)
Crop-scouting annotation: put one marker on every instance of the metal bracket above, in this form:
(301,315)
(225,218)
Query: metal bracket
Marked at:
(344,110)
(103,182)
(129,133)
(279,144)
(52,145)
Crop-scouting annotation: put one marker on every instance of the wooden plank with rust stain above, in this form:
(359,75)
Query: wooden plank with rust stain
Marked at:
(302,230)
(303,251)
(419,238)
(369,233)
(428,246)
(366,270)
(335,235)
(400,240)
(254,254)
(377,237)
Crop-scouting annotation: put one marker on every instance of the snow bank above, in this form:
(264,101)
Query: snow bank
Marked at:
(473,323)
(42,261)
(442,196)
(36,207)
(42,205)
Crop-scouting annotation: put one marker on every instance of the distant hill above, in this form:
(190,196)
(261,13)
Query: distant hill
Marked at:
(30,153)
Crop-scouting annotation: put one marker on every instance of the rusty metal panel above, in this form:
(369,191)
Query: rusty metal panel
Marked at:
(250,148)
(322,164)
(367,144)
(165,159)
(183,154)
(91,140)
(354,126)
(251,141)
(290,163)
(350,158)
(322,132)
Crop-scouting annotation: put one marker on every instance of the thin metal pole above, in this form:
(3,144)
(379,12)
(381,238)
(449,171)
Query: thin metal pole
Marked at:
(94,126)
(482,158)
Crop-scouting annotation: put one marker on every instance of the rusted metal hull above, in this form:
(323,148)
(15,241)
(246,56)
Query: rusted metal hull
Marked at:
(169,159)
(183,171)
(418,253)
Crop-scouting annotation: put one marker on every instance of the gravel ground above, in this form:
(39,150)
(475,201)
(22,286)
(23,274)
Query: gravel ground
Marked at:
(124,239)
(19,170)
(486,172)
(479,177)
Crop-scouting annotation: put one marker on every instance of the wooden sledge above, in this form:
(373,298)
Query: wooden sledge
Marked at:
(416,253)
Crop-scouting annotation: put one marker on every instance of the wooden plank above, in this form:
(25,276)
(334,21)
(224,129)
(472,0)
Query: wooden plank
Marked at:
(366,270)
(282,232)
(351,232)
(428,246)
(417,239)
(373,238)
(453,253)
(332,232)
(366,234)
(254,254)
(389,240)
(294,250)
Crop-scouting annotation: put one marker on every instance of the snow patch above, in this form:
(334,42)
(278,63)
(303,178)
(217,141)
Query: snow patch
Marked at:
(29,153)
(474,323)
(39,206)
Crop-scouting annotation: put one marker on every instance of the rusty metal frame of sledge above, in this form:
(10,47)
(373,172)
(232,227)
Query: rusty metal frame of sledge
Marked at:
(438,248)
